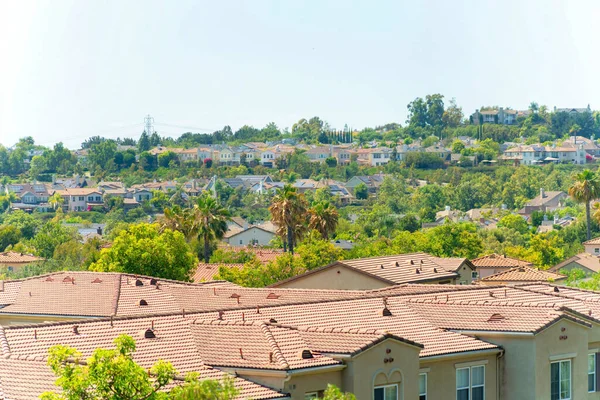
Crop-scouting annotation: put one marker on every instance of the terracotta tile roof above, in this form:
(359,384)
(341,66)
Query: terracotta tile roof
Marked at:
(94,294)
(585,260)
(346,340)
(207,271)
(12,257)
(27,377)
(397,269)
(592,241)
(254,345)
(78,191)
(524,274)
(498,261)
(365,314)
(486,317)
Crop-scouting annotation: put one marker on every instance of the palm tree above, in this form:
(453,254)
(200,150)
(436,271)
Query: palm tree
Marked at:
(585,189)
(211,221)
(323,218)
(288,210)
(56,200)
(180,219)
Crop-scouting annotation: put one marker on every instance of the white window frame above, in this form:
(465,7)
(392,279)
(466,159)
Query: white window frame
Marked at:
(470,385)
(424,374)
(386,386)
(593,355)
(311,395)
(559,377)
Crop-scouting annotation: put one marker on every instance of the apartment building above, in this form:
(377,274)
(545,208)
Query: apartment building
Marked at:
(410,341)
(495,116)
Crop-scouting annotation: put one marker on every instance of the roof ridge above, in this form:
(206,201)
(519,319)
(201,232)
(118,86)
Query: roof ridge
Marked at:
(557,294)
(4,343)
(273,343)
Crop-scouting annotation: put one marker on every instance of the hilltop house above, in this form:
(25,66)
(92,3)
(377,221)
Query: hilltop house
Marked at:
(495,116)
(546,201)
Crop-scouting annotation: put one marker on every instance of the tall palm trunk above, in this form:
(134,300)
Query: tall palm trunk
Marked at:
(290,239)
(589,220)
(206,248)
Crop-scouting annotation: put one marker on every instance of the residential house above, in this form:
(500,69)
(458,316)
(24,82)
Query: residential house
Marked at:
(186,155)
(441,151)
(411,341)
(81,199)
(449,215)
(374,157)
(343,244)
(29,196)
(545,202)
(587,110)
(14,261)
(495,116)
(319,153)
(253,235)
(588,263)
(379,272)
(492,264)
(343,154)
(522,274)
(140,195)
(373,182)
(536,154)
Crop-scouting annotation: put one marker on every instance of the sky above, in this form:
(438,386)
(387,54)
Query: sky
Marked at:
(70,69)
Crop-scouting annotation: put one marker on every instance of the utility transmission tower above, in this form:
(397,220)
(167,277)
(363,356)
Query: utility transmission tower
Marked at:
(149,123)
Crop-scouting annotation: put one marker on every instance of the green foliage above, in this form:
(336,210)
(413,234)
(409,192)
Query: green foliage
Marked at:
(26,223)
(224,256)
(9,235)
(361,191)
(113,374)
(146,250)
(515,222)
(334,393)
(51,235)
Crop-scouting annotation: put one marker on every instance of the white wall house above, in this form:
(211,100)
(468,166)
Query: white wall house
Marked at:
(252,235)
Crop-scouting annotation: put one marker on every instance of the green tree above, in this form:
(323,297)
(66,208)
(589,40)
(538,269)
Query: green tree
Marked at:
(585,189)
(26,223)
(457,146)
(146,250)
(165,159)
(113,374)
(334,393)
(331,162)
(514,221)
(56,200)
(453,116)
(51,235)
(315,252)
(211,219)
(144,142)
(9,235)
(361,191)
(288,211)
(323,219)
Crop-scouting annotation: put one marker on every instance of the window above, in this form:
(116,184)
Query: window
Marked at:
(313,395)
(422,386)
(81,198)
(592,372)
(560,380)
(470,383)
(241,241)
(596,250)
(388,392)
(474,274)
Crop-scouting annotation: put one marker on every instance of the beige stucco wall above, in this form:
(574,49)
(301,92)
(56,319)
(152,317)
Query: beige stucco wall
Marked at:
(298,384)
(338,277)
(441,376)
(525,367)
(465,273)
(368,369)
(571,266)
(551,343)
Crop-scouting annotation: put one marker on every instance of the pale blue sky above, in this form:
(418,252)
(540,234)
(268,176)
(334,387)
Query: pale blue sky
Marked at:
(72,69)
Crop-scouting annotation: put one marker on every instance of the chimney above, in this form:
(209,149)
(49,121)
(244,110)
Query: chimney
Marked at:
(447,208)
(542,193)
